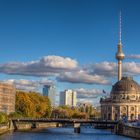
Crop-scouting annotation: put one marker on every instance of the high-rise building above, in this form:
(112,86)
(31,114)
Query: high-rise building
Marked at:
(68,97)
(7,98)
(49,90)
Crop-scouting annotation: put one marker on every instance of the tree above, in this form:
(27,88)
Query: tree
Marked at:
(67,112)
(33,105)
(15,115)
(3,117)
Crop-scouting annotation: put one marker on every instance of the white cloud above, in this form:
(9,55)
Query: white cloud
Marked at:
(48,65)
(63,69)
(66,69)
(59,62)
(107,69)
(82,77)
(88,93)
(28,85)
(131,68)
(133,56)
(83,100)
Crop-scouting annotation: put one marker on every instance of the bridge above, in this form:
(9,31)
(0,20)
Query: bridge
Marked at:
(76,123)
(66,121)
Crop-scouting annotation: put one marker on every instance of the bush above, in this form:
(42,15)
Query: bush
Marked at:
(15,115)
(3,118)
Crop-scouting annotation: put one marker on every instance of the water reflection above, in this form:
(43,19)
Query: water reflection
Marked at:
(63,134)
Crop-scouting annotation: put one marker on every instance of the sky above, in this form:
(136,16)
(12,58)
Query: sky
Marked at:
(69,43)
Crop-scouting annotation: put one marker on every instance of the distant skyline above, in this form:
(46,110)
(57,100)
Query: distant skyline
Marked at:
(71,43)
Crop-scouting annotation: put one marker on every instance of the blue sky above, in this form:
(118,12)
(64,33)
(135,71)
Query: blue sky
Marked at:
(86,31)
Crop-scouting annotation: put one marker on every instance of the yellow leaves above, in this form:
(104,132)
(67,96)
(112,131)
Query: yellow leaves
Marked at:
(67,112)
(33,105)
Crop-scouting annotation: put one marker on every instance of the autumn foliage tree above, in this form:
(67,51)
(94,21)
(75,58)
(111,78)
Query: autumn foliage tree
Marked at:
(33,105)
(67,112)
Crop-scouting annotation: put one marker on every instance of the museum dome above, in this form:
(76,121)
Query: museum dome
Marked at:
(126,86)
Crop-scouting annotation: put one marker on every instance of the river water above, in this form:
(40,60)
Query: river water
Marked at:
(63,134)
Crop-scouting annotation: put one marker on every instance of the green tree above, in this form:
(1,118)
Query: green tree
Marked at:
(3,117)
(15,115)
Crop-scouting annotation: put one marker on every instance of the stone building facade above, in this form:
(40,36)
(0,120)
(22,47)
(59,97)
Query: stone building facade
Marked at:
(124,101)
(7,98)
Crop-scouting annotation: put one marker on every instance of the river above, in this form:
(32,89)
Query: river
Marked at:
(63,134)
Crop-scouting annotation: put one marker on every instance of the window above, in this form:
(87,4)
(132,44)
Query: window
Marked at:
(123,108)
(4,109)
(114,97)
(109,116)
(132,108)
(109,108)
(104,116)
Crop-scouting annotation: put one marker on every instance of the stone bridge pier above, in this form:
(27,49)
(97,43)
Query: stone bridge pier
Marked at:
(77,128)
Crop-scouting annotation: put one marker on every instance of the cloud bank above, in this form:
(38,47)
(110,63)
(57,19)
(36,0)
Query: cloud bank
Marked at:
(28,85)
(46,66)
(133,56)
(65,69)
(88,93)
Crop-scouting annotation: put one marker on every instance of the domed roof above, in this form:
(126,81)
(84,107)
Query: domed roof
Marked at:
(126,85)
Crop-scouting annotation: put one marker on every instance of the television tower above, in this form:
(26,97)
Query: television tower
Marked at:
(120,55)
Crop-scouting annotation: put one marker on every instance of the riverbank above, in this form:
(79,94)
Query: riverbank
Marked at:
(4,128)
(129,131)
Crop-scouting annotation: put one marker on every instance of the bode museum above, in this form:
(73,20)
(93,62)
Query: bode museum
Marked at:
(124,100)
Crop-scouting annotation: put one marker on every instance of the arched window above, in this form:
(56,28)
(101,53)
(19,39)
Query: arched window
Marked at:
(132,108)
(104,116)
(123,108)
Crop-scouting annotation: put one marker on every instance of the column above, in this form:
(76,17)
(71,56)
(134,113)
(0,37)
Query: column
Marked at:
(119,112)
(128,112)
(136,112)
(76,127)
(112,114)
